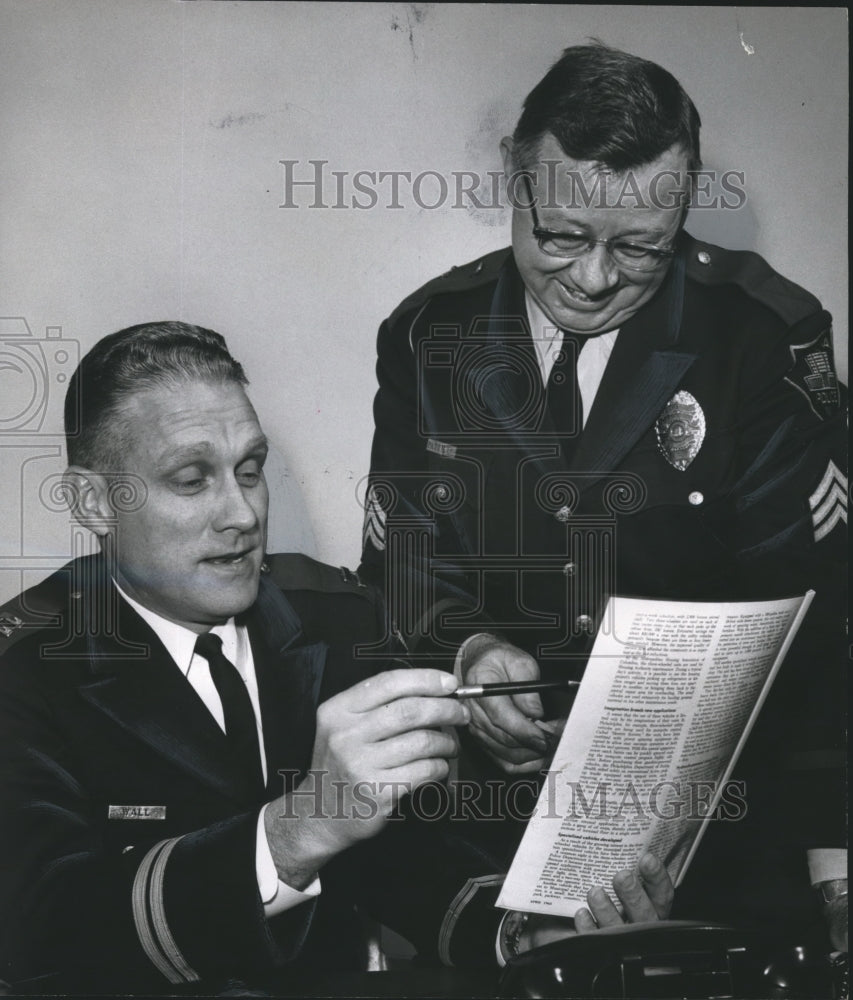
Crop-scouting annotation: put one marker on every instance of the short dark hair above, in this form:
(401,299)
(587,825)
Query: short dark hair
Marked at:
(609,107)
(129,361)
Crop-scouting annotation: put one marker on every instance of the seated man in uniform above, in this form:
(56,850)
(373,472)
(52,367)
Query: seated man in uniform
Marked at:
(176,807)
(612,407)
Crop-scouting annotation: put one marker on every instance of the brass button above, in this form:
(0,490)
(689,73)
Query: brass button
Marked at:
(703,257)
(584,623)
(76,595)
(563,514)
(569,569)
(696,498)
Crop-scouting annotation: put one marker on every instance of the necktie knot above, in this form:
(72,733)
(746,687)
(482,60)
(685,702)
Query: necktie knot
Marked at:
(208,645)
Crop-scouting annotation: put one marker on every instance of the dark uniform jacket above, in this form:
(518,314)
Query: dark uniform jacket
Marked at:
(711,467)
(127,844)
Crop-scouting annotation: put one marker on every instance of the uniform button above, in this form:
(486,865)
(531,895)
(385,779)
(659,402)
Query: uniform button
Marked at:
(563,514)
(441,493)
(569,569)
(584,623)
(696,498)
(76,595)
(703,257)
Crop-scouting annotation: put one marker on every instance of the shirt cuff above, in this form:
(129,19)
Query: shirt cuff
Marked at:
(277,896)
(827,864)
(499,952)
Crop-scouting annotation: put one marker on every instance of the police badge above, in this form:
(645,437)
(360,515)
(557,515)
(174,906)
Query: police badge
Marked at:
(680,430)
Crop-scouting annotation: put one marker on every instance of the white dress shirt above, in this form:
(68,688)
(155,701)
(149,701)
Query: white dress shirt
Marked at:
(276,895)
(592,359)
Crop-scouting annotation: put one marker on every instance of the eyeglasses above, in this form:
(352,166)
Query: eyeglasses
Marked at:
(625,253)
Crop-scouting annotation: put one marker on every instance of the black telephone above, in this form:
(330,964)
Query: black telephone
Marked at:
(674,959)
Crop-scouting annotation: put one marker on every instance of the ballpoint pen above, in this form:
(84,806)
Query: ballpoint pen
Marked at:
(509,687)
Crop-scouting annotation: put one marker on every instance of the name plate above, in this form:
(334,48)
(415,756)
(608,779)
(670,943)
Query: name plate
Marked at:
(440,448)
(136,812)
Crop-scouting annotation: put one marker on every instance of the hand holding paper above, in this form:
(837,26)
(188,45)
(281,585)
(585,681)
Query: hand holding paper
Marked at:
(645,894)
(670,694)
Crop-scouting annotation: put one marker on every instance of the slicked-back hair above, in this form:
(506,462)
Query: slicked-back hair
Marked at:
(132,360)
(608,107)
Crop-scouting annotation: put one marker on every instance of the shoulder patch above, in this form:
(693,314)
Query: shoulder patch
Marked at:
(296,571)
(457,279)
(713,265)
(813,374)
(41,606)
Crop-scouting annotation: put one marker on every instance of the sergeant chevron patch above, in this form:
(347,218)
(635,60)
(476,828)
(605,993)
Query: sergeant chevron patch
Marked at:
(374,522)
(828,503)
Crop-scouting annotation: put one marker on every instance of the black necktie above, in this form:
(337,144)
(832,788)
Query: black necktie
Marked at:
(240,724)
(563,395)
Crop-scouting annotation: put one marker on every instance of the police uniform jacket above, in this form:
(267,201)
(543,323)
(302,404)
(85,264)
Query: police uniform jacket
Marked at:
(127,845)
(711,467)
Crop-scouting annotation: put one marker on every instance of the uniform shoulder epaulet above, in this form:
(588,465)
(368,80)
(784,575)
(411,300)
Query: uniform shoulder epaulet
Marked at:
(296,571)
(457,279)
(713,265)
(38,607)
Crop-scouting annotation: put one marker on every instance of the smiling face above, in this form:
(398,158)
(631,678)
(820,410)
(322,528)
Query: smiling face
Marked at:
(591,295)
(192,553)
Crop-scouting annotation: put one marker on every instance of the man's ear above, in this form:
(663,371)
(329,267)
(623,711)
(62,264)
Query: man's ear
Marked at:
(507,149)
(88,498)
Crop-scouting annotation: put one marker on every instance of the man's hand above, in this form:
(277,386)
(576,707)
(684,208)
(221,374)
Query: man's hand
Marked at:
(646,894)
(502,725)
(375,743)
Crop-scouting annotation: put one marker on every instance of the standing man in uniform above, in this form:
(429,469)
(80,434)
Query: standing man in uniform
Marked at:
(613,407)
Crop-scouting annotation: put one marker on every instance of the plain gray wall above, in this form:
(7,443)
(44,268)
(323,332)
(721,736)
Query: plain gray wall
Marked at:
(141,180)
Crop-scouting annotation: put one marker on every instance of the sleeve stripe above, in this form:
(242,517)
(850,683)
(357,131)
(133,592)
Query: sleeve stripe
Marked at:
(140,915)
(454,911)
(158,915)
(149,916)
